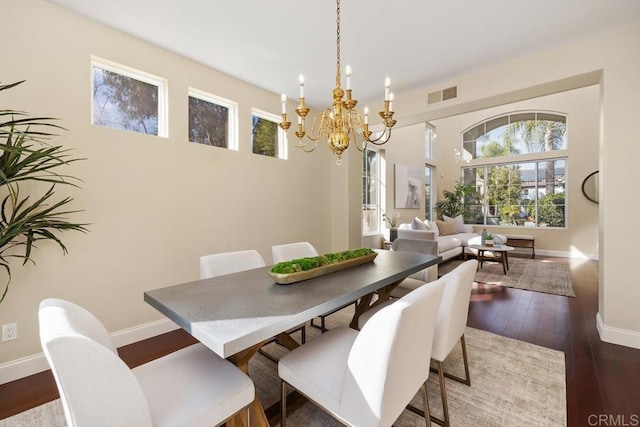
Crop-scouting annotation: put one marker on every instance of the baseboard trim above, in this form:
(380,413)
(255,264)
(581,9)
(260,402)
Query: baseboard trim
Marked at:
(613,335)
(30,365)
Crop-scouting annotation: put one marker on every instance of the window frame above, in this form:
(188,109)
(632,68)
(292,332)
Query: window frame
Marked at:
(159,82)
(380,190)
(232,106)
(514,159)
(282,136)
(464,155)
(429,163)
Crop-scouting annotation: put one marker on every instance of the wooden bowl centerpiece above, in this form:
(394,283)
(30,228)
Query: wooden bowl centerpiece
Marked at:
(300,269)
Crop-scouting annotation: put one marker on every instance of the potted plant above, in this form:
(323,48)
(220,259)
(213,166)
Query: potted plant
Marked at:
(25,157)
(453,203)
(488,239)
(393,225)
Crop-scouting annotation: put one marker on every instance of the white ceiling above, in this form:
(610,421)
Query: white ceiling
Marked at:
(417,43)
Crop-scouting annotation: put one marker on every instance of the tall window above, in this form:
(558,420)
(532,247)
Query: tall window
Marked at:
(510,191)
(429,168)
(371,192)
(428,191)
(267,138)
(211,120)
(128,99)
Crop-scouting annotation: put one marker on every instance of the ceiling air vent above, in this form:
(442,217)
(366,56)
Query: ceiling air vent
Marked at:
(442,95)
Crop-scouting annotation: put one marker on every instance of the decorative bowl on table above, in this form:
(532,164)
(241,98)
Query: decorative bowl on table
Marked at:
(297,270)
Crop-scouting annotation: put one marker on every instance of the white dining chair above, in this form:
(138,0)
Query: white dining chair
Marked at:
(367,378)
(289,251)
(192,386)
(450,326)
(233,262)
(229,262)
(429,274)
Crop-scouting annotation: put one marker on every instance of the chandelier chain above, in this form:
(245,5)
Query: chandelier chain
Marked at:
(337,43)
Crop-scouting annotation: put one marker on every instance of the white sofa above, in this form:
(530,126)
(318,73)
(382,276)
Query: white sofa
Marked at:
(449,246)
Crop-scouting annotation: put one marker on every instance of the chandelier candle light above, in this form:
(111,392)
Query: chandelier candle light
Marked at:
(341,122)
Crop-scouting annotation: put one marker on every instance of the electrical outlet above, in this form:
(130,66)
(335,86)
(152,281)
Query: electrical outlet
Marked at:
(9,332)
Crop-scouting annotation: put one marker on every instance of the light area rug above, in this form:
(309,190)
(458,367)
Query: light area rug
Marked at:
(513,383)
(530,274)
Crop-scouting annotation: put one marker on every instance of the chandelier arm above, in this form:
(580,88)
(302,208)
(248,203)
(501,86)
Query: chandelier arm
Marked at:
(384,137)
(300,144)
(317,129)
(304,147)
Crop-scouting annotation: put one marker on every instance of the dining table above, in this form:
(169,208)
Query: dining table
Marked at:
(235,314)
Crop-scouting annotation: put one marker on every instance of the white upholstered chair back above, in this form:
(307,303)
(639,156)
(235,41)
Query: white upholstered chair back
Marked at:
(96,387)
(290,251)
(454,309)
(420,246)
(389,360)
(229,262)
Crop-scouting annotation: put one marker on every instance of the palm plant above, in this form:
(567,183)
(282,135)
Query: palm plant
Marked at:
(453,203)
(26,157)
(541,136)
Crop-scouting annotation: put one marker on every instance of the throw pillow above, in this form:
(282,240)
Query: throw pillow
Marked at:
(446,228)
(418,224)
(458,221)
(432,226)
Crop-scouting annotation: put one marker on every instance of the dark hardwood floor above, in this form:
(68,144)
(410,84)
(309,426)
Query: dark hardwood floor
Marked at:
(602,379)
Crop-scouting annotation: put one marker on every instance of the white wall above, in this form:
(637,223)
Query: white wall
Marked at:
(154,205)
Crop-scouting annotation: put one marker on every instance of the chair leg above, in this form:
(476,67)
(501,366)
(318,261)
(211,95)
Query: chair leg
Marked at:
(425,404)
(443,395)
(283,405)
(467,379)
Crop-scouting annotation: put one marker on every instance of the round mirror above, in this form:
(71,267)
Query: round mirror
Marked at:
(590,187)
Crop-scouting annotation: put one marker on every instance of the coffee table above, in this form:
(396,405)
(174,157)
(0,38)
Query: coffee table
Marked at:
(500,254)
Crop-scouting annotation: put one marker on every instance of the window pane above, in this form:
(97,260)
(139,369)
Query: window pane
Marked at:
(516,134)
(496,123)
(551,193)
(474,203)
(208,123)
(370,191)
(428,208)
(428,143)
(474,133)
(518,194)
(523,117)
(122,102)
(370,223)
(265,137)
(371,187)
(551,117)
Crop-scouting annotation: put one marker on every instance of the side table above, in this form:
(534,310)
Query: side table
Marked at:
(500,254)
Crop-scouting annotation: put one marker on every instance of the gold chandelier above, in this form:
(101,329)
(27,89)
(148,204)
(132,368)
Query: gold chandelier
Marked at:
(341,122)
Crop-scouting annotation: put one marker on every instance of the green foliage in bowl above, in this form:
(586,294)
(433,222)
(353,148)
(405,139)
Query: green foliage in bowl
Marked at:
(304,264)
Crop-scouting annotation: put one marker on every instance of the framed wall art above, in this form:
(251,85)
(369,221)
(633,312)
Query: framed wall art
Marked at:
(408,186)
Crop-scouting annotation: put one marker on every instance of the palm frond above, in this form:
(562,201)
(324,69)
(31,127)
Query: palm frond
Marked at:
(25,155)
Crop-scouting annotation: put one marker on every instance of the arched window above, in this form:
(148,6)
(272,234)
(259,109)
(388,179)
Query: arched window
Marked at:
(514,134)
(510,191)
